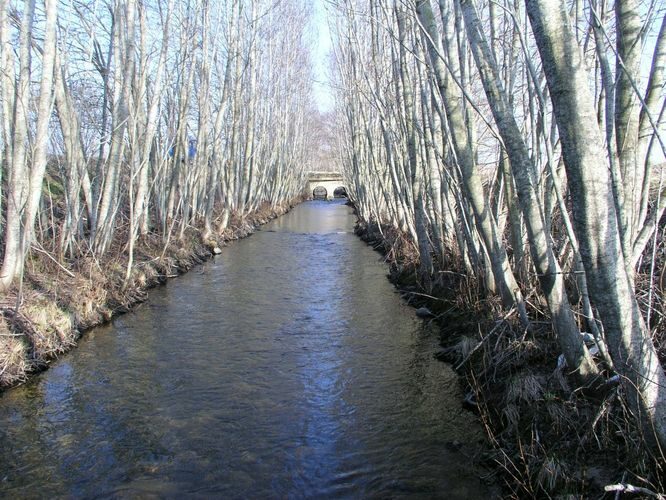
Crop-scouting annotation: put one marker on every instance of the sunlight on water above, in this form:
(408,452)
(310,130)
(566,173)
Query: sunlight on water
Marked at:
(286,367)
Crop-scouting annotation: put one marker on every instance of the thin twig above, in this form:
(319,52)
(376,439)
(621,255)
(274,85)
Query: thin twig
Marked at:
(477,346)
(38,247)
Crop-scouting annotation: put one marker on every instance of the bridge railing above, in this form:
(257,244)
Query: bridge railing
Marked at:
(321,176)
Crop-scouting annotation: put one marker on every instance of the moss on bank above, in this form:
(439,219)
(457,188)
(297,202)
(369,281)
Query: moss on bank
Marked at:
(46,315)
(547,437)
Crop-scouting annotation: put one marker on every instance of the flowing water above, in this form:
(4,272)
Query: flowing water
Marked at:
(288,366)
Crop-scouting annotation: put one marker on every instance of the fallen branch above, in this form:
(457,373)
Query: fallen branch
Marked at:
(36,246)
(628,488)
(476,348)
(422,295)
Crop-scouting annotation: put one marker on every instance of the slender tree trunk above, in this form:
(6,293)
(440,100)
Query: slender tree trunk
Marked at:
(547,267)
(453,104)
(44,107)
(17,183)
(627,113)
(6,101)
(595,222)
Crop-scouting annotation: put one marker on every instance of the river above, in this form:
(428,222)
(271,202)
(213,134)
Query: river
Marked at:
(288,366)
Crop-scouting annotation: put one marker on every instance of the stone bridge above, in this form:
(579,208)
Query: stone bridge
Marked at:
(326,185)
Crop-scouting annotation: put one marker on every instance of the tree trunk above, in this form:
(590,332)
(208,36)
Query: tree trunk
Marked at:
(44,107)
(17,184)
(595,222)
(548,269)
(455,113)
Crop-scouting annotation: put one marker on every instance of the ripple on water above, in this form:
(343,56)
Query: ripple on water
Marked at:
(287,367)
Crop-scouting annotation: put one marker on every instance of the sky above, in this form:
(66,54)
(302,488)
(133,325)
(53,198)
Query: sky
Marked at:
(321,49)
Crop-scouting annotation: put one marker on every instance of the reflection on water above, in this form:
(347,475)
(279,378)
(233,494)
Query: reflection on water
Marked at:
(286,367)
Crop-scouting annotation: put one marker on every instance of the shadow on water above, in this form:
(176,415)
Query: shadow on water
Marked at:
(286,367)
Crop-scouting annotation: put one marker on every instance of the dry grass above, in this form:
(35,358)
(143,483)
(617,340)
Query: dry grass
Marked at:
(56,304)
(51,330)
(14,364)
(548,435)
(524,388)
(547,438)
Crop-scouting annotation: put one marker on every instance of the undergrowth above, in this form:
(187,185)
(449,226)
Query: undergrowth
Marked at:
(58,298)
(547,436)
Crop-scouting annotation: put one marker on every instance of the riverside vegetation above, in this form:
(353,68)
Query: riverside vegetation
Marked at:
(505,155)
(507,158)
(56,303)
(136,137)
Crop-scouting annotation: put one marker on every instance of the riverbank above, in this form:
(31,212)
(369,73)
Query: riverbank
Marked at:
(546,436)
(57,303)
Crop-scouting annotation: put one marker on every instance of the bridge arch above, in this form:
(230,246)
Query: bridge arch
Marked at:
(320,192)
(340,192)
(329,182)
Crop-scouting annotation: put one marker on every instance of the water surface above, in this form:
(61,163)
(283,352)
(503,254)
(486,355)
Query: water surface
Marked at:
(285,367)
